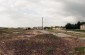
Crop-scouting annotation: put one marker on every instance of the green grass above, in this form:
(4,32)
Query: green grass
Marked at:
(49,50)
(77,30)
(80,50)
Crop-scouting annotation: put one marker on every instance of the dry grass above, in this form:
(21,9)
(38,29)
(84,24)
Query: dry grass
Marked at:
(69,33)
(37,44)
(44,44)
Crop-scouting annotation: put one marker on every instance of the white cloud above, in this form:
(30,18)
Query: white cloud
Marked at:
(70,19)
(14,13)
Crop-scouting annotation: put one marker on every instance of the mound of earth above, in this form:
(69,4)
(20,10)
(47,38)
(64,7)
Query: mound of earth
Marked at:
(44,44)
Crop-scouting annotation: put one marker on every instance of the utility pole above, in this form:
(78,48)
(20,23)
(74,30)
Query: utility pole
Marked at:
(42,23)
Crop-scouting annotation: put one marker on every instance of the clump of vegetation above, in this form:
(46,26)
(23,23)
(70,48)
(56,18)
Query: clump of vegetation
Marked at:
(73,26)
(80,49)
(50,50)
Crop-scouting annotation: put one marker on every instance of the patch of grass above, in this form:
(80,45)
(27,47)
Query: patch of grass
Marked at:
(80,49)
(49,50)
(77,30)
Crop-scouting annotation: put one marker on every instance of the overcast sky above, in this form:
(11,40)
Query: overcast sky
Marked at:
(24,13)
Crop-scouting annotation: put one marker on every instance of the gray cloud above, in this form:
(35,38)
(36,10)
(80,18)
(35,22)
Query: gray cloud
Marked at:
(76,9)
(14,13)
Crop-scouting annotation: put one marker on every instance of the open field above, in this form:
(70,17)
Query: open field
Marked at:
(37,42)
(70,32)
(68,35)
(77,30)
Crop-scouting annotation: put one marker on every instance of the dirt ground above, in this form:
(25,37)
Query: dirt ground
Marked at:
(34,42)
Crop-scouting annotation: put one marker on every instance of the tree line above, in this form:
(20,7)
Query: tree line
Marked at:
(74,26)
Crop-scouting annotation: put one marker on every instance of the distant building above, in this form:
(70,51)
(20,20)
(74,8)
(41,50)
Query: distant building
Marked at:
(57,27)
(82,27)
(47,28)
(40,28)
(37,28)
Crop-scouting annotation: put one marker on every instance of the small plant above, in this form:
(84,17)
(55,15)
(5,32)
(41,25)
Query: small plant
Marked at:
(49,50)
(80,50)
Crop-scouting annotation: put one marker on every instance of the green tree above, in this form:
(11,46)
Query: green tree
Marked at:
(68,26)
(78,25)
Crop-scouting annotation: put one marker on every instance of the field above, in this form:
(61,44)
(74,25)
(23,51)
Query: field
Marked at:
(75,33)
(68,34)
(37,42)
(77,30)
